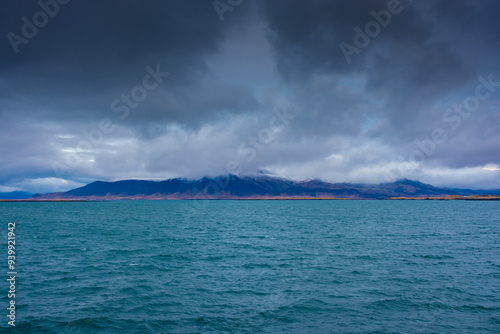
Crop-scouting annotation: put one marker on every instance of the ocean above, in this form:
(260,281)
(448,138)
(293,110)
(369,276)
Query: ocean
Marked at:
(277,266)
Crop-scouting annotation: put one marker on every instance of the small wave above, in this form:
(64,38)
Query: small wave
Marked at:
(162,256)
(436,257)
(479,308)
(256,265)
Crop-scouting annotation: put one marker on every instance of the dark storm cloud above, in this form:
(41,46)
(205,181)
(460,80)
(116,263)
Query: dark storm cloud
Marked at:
(353,120)
(428,53)
(417,44)
(92,52)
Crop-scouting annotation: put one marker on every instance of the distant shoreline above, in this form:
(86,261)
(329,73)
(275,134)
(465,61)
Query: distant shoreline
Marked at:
(135,198)
(49,200)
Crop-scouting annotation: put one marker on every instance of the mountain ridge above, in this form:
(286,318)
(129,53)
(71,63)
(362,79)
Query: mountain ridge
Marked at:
(252,187)
(15,195)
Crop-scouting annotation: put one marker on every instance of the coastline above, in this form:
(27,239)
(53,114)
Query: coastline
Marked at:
(274,198)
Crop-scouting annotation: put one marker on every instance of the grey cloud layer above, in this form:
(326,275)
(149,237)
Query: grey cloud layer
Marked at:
(365,113)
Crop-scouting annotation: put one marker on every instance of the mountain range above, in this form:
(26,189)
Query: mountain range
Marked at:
(253,187)
(15,195)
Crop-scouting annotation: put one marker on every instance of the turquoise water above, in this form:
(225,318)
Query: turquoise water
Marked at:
(255,266)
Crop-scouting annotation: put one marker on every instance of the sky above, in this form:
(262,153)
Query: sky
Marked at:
(343,91)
